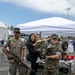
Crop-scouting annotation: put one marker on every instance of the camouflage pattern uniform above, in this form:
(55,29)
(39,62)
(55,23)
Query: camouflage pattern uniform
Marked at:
(51,65)
(15,46)
(40,46)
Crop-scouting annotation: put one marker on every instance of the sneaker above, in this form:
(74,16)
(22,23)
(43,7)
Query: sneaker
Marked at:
(39,61)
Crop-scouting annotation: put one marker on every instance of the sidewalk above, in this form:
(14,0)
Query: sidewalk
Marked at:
(4,67)
(4,63)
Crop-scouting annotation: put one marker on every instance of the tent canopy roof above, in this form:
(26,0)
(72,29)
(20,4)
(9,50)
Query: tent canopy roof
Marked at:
(54,21)
(56,25)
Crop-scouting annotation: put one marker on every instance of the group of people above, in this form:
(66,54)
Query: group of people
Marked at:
(52,53)
(35,46)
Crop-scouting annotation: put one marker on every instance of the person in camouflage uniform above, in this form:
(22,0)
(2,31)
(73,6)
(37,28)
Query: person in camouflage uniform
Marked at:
(39,47)
(17,47)
(53,54)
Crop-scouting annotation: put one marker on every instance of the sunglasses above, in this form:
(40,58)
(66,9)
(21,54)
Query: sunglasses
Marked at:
(17,32)
(54,38)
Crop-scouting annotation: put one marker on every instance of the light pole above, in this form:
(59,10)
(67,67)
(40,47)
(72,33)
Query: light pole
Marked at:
(68,9)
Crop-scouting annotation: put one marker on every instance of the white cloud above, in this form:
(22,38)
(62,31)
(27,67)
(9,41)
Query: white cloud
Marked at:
(71,2)
(46,6)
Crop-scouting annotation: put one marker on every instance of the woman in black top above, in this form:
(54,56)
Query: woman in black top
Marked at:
(33,53)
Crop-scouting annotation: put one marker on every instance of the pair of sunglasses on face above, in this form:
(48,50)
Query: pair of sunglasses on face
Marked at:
(17,32)
(54,38)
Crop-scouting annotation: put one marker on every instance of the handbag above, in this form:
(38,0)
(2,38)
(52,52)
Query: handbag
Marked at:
(28,56)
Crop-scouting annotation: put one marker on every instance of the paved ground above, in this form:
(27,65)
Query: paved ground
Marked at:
(4,67)
(4,64)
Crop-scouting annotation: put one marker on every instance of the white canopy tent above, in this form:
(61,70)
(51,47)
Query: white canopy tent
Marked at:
(49,26)
(3,31)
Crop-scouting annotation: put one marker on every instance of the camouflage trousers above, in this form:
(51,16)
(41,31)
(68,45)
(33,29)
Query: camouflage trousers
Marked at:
(50,71)
(13,68)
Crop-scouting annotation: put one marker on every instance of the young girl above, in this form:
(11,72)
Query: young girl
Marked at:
(39,47)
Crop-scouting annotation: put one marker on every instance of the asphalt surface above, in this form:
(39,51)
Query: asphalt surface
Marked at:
(4,64)
(4,67)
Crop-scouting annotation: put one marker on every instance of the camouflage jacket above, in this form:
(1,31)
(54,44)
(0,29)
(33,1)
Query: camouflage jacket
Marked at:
(40,46)
(15,46)
(52,50)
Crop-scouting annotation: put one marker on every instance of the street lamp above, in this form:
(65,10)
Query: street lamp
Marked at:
(68,9)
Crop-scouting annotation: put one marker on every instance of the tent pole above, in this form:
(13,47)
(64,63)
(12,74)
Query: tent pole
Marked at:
(40,33)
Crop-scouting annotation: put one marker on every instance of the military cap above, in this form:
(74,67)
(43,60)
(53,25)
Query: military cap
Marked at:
(16,30)
(54,36)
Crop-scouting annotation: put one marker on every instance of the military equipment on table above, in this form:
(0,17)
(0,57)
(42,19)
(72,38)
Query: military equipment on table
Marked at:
(64,48)
(64,67)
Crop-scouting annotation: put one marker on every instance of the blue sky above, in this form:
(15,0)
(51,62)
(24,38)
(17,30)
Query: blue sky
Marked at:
(17,12)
